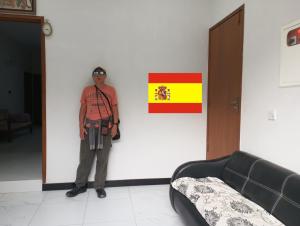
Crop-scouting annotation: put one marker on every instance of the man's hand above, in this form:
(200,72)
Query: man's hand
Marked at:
(114,130)
(83,132)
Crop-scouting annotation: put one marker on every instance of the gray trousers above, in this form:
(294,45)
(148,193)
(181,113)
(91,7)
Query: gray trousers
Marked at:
(86,161)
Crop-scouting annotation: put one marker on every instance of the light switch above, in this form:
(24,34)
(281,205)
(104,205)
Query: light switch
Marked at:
(272,115)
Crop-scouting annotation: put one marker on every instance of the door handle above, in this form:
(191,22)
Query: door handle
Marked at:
(235,104)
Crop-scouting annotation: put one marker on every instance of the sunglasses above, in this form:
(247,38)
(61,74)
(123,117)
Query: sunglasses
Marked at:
(98,73)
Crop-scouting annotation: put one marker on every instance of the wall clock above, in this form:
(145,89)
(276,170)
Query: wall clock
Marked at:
(47,28)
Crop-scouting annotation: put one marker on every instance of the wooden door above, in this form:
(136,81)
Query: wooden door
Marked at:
(224,85)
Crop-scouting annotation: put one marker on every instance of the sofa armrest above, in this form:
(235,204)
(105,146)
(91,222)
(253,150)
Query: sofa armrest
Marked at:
(202,168)
(198,169)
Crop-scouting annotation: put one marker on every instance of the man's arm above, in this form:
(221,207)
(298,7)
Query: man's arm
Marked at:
(82,114)
(115,113)
(114,129)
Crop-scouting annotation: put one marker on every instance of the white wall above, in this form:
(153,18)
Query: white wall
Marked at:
(129,38)
(277,141)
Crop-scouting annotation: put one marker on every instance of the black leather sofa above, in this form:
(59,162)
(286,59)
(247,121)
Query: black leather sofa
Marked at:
(274,188)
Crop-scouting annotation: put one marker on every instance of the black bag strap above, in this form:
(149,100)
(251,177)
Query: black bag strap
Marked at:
(103,103)
(110,107)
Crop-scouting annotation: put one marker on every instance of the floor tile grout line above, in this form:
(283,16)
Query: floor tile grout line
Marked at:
(43,201)
(39,206)
(132,206)
(85,208)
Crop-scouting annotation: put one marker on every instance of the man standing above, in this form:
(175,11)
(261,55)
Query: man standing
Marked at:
(98,122)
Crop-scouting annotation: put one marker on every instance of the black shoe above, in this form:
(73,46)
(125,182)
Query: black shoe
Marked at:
(75,191)
(101,193)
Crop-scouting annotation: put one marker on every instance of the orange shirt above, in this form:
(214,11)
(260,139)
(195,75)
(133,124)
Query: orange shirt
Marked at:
(89,97)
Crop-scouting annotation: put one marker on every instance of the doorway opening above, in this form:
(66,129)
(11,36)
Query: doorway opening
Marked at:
(22,99)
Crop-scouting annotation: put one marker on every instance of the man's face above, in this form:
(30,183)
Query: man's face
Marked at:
(99,79)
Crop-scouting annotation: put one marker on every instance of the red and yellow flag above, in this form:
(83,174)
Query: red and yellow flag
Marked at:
(175,93)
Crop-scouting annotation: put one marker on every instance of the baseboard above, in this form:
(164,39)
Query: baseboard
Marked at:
(111,183)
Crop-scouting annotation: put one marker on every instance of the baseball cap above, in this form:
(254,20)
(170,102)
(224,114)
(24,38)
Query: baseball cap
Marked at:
(99,71)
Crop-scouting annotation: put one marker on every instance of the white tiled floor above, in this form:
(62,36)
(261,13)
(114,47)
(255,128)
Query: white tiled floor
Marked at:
(123,206)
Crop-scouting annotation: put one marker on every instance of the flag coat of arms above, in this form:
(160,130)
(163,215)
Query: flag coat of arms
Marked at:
(175,93)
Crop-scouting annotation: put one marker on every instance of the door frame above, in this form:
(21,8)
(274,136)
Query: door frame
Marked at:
(239,10)
(38,20)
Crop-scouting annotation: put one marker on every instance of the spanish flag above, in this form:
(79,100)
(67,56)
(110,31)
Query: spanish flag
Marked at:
(175,93)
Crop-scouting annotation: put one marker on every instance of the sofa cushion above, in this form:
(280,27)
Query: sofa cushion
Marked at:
(221,205)
(287,207)
(274,188)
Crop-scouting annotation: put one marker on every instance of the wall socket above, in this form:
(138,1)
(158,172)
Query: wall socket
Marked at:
(272,115)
